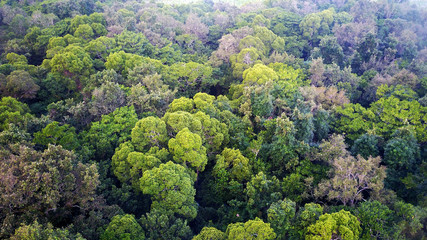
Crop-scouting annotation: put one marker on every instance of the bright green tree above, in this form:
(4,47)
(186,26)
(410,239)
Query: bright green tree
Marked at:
(181,104)
(171,188)
(250,230)
(113,129)
(233,164)
(340,224)
(13,111)
(149,132)
(123,227)
(210,233)
(53,133)
(187,149)
(259,74)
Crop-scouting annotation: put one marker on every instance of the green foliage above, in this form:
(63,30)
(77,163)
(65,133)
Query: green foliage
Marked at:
(149,132)
(354,120)
(101,47)
(122,62)
(281,215)
(210,233)
(176,121)
(123,227)
(136,43)
(159,225)
(316,24)
(187,149)
(402,151)
(171,188)
(393,113)
(245,59)
(232,165)
(252,229)
(53,133)
(375,218)
(84,31)
(72,61)
(340,224)
(410,220)
(36,231)
(52,179)
(189,78)
(13,112)
(261,191)
(366,145)
(181,104)
(203,116)
(214,133)
(105,135)
(259,74)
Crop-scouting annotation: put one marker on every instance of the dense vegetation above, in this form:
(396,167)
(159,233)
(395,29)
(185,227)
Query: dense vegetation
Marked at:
(281,119)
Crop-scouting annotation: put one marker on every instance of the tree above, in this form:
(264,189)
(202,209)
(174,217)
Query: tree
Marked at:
(210,233)
(259,74)
(375,218)
(401,156)
(392,113)
(107,134)
(330,51)
(149,132)
(243,60)
(122,62)
(281,215)
(181,104)
(252,229)
(53,133)
(49,185)
(193,25)
(123,227)
(171,188)
(136,43)
(19,84)
(187,148)
(101,47)
(340,224)
(353,119)
(261,191)
(36,231)
(84,31)
(189,78)
(351,178)
(72,62)
(107,98)
(306,216)
(314,25)
(159,225)
(402,151)
(176,121)
(13,111)
(152,95)
(410,219)
(232,165)
(366,145)
(214,133)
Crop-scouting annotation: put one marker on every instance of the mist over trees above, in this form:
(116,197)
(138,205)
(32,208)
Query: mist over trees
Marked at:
(274,119)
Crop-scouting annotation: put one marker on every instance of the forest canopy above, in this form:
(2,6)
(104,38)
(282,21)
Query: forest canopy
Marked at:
(209,119)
